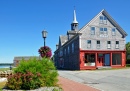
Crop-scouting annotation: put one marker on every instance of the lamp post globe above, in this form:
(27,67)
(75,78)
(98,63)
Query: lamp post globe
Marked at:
(44,35)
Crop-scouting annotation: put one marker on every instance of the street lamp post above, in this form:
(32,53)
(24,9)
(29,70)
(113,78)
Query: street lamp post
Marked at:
(44,35)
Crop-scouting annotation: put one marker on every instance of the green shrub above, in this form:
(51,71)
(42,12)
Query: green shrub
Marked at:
(14,81)
(128,61)
(33,74)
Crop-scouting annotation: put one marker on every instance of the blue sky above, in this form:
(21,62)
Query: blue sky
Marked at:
(22,21)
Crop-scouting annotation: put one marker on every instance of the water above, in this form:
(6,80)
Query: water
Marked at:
(2,66)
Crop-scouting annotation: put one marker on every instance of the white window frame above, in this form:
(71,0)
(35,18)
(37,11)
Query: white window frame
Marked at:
(101,30)
(92,29)
(105,31)
(108,44)
(98,44)
(88,43)
(103,19)
(113,32)
(117,44)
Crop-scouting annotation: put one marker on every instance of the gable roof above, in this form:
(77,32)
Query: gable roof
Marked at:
(26,57)
(71,32)
(104,12)
(63,39)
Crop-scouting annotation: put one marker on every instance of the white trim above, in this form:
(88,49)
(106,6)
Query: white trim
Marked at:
(117,46)
(79,41)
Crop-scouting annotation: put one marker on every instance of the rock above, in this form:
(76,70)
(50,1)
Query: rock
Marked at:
(3,79)
(40,89)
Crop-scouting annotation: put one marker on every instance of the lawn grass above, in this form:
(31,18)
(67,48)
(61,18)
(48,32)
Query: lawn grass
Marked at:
(2,85)
(127,65)
(4,69)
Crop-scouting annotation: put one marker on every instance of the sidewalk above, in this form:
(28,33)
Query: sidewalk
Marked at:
(69,85)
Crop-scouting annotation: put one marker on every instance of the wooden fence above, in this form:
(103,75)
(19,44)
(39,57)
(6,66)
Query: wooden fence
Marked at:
(5,73)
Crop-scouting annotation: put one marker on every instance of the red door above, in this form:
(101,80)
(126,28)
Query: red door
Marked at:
(100,61)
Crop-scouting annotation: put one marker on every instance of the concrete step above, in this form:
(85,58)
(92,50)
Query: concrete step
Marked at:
(104,67)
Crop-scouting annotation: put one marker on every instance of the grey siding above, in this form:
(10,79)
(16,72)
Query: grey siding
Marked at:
(86,35)
(71,60)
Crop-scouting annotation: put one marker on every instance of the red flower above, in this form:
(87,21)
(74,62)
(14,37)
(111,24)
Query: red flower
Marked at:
(45,52)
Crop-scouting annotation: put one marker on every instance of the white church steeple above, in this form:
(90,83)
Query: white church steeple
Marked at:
(74,18)
(74,24)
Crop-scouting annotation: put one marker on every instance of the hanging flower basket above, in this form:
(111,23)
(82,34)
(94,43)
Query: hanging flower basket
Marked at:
(45,52)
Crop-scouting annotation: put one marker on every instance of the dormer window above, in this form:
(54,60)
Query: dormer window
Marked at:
(92,30)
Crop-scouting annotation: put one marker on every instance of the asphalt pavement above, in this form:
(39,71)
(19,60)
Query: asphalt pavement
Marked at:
(105,80)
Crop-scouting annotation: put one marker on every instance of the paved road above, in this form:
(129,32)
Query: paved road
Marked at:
(105,80)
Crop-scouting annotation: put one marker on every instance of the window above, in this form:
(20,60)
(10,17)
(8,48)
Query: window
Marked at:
(116,58)
(89,59)
(61,53)
(105,31)
(72,47)
(89,43)
(101,31)
(92,30)
(108,44)
(65,51)
(113,31)
(117,44)
(98,44)
(68,50)
(103,19)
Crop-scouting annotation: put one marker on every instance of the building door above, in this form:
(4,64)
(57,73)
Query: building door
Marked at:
(107,60)
(100,61)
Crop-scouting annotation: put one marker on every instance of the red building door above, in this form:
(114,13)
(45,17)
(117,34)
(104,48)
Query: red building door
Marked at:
(100,61)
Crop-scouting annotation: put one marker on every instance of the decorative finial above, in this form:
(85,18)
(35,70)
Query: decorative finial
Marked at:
(74,20)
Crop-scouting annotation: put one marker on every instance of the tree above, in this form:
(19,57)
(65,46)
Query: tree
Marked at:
(127,49)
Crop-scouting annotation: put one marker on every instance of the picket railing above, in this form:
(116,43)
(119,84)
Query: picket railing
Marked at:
(5,73)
